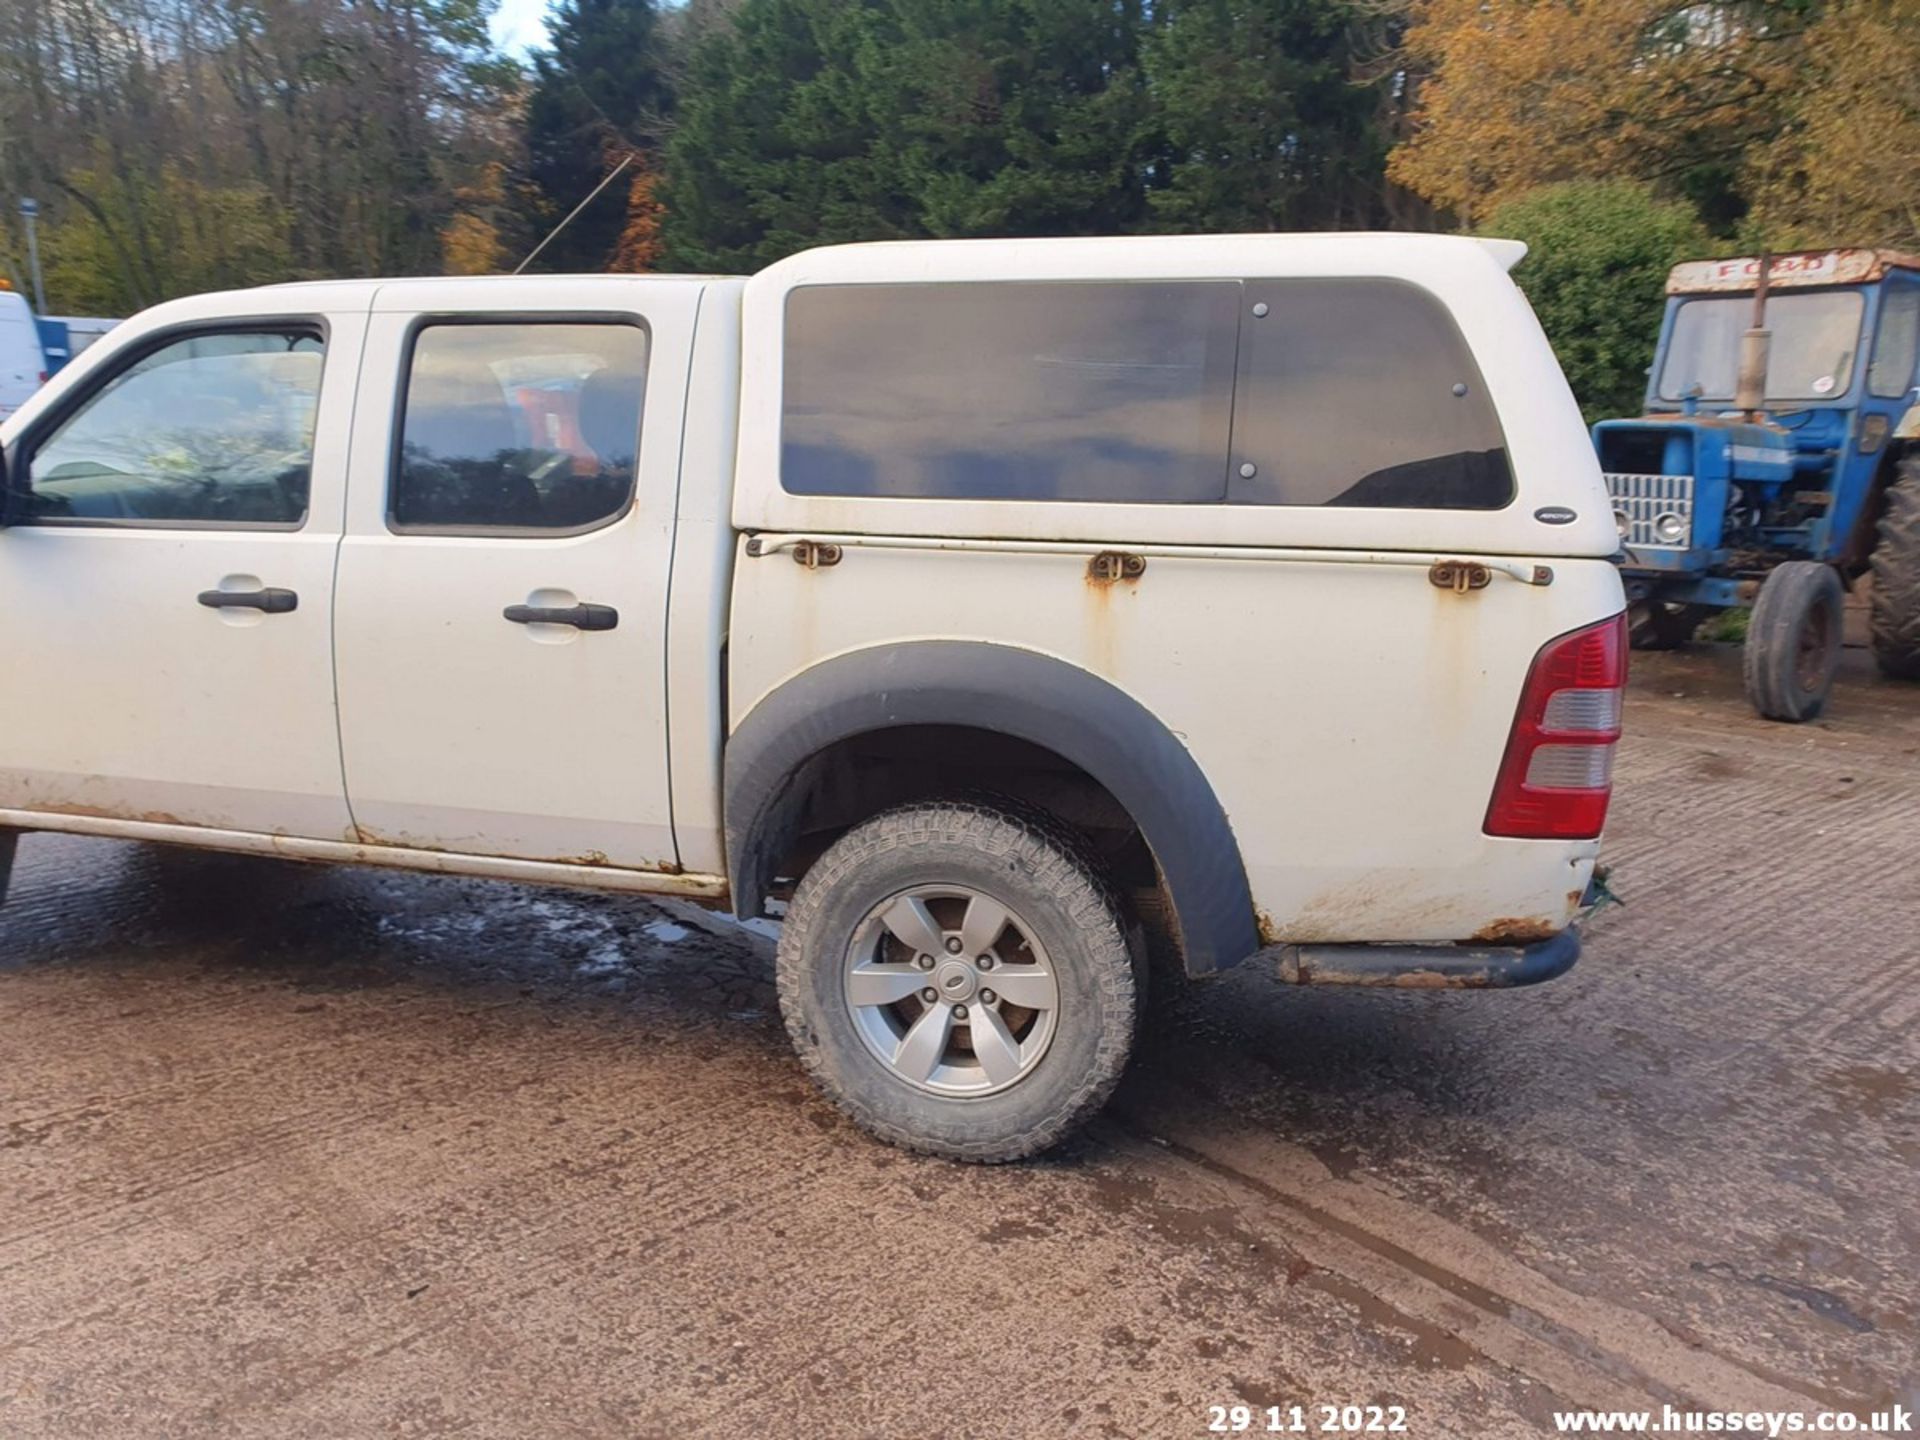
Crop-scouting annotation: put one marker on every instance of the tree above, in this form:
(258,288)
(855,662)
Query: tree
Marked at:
(211,238)
(179,145)
(761,106)
(1846,169)
(639,248)
(1597,261)
(1264,127)
(470,245)
(815,121)
(602,92)
(1522,93)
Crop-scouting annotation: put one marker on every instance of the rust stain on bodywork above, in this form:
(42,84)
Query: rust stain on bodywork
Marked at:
(1387,909)
(1515,930)
(1360,914)
(367,835)
(587,859)
(1267,927)
(1109,574)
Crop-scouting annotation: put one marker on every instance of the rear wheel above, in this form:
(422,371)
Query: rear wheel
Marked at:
(957,978)
(1793,641)
(1896,577)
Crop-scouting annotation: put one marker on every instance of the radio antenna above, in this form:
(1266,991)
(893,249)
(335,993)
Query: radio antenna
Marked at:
(573,212)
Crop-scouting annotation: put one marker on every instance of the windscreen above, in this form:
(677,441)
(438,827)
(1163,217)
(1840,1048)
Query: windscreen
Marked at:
(1816,339)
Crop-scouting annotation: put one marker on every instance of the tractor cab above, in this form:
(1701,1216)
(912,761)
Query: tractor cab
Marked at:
(1780,405)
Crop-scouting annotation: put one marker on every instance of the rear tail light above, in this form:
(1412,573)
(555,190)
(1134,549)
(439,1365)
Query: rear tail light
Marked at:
(1557,775)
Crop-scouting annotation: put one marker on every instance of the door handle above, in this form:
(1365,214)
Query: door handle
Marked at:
(274,602)
(581,617)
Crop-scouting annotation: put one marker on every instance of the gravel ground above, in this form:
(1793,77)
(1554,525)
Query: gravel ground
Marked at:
(291,1151)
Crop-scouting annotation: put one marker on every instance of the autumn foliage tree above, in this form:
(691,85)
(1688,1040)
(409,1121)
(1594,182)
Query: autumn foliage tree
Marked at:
(1515,94)
(1846,166)
(1784,122)
(640,246)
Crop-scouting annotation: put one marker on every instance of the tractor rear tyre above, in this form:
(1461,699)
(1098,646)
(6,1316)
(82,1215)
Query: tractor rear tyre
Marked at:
(1793,641)
(1664,625)
(1896,577)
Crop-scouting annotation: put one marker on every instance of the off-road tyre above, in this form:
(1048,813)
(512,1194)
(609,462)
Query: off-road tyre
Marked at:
(1895,618)
(1659,625)
(1041,870)
(1793,641)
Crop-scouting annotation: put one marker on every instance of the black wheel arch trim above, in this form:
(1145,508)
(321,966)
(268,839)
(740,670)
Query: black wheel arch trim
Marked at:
(1022,693)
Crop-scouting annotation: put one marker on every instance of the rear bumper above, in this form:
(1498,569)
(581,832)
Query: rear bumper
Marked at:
(1429,967)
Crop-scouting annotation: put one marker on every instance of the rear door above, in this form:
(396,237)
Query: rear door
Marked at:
(503,581)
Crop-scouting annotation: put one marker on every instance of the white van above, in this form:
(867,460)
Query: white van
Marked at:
(23,365)
(1017,610)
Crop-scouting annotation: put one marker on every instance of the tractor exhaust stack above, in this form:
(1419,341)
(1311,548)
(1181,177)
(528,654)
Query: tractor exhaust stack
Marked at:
(1751,390)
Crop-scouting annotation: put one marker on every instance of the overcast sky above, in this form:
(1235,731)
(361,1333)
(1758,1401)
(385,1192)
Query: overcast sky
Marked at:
(520,25)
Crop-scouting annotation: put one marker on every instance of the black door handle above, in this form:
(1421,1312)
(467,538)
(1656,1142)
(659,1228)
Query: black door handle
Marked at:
(274,602)
(581,617)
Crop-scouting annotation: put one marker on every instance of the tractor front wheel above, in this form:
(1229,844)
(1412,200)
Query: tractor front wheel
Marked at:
(1793,641)
(1896,577)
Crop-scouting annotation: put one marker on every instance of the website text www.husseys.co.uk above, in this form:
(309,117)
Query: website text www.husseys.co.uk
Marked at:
(1669,1421)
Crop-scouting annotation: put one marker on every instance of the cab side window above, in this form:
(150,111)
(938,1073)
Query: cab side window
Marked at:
(212,429)
(520,427)
(1890,373)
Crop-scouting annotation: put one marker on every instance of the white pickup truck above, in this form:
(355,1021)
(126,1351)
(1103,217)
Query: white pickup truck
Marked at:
(1014,610)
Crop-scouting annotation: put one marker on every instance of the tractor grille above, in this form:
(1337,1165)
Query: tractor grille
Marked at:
(1642,499)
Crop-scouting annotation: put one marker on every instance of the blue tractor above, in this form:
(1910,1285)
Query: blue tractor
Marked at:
(1777,462)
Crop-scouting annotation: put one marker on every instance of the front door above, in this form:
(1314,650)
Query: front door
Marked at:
(166,590)
(503,580)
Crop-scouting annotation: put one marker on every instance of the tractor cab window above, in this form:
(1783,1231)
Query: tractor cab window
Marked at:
(1890,374)
(1816,340)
